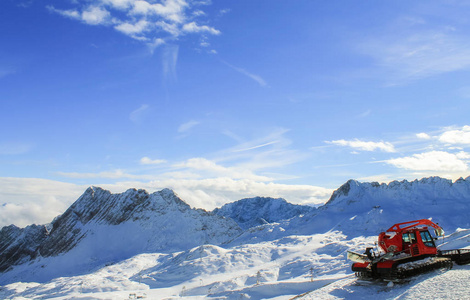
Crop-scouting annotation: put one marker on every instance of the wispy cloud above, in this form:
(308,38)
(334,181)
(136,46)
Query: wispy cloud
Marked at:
(138,114)
(412,47)
(169,62)
(364,114)
(14,148)
(250,75)
(211,169)
(185,127)
(256,146)
(271,150)
(115,174)
(6,71)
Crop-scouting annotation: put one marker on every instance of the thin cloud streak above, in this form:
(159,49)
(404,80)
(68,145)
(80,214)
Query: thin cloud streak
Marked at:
(254,77)
(256,147)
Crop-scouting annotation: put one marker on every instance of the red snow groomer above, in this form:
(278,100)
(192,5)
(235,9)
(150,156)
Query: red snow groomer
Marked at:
(410,249)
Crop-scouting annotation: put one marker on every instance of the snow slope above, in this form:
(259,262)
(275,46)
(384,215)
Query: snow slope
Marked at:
(311,265)
(302,257)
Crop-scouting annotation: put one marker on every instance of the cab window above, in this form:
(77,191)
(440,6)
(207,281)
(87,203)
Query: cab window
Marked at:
(406,238)
(427,239)
(409,238)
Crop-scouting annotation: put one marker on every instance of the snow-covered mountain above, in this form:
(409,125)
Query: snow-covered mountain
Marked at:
(373,206)
(366,209)
(251,212)
(200,255)
(101,227)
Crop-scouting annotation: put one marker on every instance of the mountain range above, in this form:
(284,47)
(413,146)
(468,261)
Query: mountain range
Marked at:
(103,229)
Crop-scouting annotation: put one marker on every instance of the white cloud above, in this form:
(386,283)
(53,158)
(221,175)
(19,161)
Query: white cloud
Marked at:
(432,161)
(423,136)
(92,15)
(148,161)
(194,28)
(365,146)
(457,136)
(144,20)
(212,193)
(133,28)
(119,4)
(172,10)
(25,201)
(70,13)
(95,15)
(198,13)
(171,28)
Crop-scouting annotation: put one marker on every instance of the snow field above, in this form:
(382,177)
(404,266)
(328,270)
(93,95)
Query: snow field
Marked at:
(313,265)
(288,266)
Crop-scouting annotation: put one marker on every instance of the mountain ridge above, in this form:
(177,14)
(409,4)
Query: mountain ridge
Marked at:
(251,212)
(101,227)
(128,223)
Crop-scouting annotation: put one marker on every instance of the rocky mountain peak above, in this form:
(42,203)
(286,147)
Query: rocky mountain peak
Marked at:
(160,221)
(250,212)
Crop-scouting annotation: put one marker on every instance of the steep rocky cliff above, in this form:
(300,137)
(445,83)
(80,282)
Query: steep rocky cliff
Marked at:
(108,227)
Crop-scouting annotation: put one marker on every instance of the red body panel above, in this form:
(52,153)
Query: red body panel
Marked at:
(402,243)
(411,238)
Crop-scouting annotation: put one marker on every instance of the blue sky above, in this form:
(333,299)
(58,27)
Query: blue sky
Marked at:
(221,100)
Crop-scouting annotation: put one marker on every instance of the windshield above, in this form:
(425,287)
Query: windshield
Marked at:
(427,238)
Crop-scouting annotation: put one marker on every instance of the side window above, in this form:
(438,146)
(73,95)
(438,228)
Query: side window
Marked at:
(409,238)
(406,238)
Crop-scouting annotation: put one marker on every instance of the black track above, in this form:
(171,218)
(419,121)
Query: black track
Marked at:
(397,273)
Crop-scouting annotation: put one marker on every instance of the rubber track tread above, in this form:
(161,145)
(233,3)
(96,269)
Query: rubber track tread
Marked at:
(439,264)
